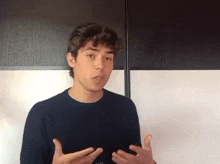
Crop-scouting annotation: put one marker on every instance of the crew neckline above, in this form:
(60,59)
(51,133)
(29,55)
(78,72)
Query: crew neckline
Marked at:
(83,101)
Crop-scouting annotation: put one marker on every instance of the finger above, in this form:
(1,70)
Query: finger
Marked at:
(58,147)
(137,149)
(147,142)
(91,157)
(82,153)
(118,159)
(124,155)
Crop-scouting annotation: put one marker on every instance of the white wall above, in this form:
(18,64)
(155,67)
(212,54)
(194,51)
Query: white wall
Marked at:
(181,109)
(19,91)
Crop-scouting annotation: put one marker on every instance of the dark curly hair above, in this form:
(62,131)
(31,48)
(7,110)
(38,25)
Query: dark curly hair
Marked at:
(96,33)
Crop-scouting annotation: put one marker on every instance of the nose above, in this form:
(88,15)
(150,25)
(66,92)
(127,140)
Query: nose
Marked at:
(99,63)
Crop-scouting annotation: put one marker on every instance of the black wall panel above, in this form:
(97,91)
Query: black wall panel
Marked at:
(34,33)
(162,34)
(174,34)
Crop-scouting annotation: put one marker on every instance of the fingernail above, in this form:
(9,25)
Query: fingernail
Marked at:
(119,151)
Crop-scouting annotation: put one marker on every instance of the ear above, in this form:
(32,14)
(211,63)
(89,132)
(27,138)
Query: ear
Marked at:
(71,60)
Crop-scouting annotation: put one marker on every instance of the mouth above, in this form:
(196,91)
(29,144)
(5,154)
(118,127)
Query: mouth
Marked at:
(98,78)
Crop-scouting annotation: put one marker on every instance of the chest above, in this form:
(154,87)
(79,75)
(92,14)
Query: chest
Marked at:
(94,128)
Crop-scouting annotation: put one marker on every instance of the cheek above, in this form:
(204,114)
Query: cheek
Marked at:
(80,72)
(85,72)
(111,66)
(109,70)
(85,68)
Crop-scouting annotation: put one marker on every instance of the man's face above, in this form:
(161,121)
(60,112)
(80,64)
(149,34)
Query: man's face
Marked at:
(93,67)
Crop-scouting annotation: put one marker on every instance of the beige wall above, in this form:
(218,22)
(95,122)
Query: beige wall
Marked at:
(181,109)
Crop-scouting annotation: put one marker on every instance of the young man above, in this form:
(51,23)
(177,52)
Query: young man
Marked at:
(86,123)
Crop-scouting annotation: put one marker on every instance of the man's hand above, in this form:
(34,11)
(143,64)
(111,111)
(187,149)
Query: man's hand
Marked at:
(144,156)
(80,157)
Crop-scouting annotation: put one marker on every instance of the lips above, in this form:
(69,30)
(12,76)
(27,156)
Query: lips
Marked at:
(98,77)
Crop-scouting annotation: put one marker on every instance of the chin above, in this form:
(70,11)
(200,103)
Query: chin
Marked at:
(95,89)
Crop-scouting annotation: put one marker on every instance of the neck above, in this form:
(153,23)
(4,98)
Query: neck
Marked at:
(83,95)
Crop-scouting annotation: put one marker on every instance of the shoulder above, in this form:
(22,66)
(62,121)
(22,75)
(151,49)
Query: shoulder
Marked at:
(49,104)
(115,95)
(121,105)
(117,98)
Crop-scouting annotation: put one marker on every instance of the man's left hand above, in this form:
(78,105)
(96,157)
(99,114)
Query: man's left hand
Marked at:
(144,156)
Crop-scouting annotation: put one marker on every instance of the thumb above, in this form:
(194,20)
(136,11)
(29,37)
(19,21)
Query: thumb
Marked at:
(147,142)
(58,147)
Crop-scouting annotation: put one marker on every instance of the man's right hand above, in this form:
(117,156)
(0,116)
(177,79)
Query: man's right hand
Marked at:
(80,157)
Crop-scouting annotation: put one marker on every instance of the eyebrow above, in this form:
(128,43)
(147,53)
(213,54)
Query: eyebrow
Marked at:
(95,49)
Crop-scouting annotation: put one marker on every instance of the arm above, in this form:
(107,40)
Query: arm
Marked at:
(35,147)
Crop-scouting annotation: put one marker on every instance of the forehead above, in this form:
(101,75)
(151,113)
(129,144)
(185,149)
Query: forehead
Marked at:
(100,47)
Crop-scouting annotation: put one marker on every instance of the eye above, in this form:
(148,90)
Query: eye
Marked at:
(90,56)
(108,59)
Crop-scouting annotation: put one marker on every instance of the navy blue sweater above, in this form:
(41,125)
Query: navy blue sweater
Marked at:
(111,123)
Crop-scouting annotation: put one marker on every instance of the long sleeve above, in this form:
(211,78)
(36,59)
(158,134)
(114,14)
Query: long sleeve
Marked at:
(136,125)
(35,147)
